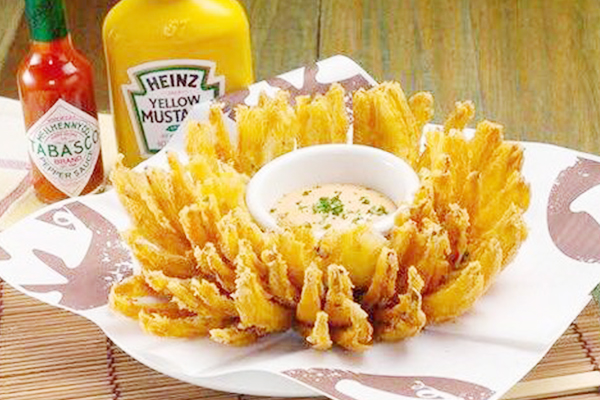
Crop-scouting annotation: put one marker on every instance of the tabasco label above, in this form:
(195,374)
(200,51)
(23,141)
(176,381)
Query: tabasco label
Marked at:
(65,146)
(161,93)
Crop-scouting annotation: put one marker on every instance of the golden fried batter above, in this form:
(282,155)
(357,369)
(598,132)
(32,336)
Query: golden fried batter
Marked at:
(207,269)
(142,206)
(459,117)
(298,248)
(383,285)
(322,119)
(124,298)
(405,318)
(457,295)
(212,264)
(421,105)
(177,326)
(339,296)
(319,336)
(359,335)
(264,132)
(357,249)
(310,303)
(280,285)
(383,119)
(153,257)
(256,307)
(235,336)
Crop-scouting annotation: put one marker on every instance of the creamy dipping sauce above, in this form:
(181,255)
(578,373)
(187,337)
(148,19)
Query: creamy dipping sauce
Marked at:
(332,206)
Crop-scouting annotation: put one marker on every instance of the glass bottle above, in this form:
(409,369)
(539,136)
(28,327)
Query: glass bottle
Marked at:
(57,95)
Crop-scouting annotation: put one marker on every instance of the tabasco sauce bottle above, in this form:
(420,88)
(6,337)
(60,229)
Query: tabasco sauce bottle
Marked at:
(165,56)
(55,87)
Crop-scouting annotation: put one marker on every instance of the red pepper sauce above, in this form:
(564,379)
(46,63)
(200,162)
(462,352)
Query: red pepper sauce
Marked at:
(55,75)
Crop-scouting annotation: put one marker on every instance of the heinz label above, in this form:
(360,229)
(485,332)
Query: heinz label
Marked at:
(161,93)
(65,146)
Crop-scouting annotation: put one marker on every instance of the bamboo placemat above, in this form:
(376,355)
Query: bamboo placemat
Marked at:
(47,353)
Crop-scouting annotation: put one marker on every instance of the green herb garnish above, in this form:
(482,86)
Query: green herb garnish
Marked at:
(337,207)
(322,205)
(326,205)
(365,200)
(378,210)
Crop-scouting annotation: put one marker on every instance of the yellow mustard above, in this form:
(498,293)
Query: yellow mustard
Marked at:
(164,56)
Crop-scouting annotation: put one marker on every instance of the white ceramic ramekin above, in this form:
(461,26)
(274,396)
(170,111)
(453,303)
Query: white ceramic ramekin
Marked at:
(331,163)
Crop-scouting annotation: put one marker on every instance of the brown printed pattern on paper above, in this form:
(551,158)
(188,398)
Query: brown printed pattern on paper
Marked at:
(346,385)
(106,260)
(310,86)
(4,256)
(13,196)
(7,163)
(576,231)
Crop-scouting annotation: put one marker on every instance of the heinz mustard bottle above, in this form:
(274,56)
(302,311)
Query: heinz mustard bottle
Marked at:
(164,56)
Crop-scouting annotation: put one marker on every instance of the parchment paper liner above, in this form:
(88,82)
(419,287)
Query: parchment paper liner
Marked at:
(68,254)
